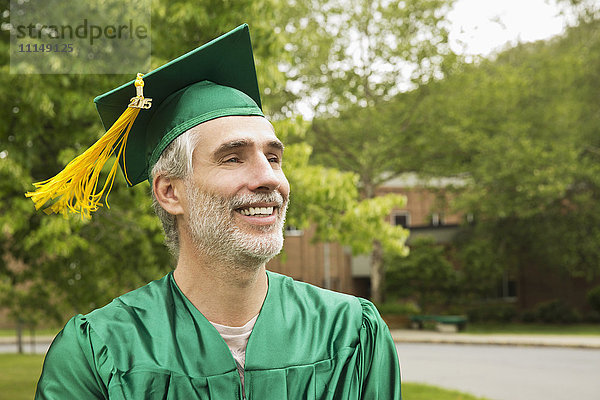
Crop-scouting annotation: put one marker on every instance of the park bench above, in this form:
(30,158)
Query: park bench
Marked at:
(442,322)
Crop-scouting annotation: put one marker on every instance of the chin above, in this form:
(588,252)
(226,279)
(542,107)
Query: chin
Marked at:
(262,249)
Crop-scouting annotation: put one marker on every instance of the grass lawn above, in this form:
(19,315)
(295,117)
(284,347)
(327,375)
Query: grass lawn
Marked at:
(19,374)
(417,391)
(537,329)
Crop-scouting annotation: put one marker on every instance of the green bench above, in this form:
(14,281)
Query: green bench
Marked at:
(459,322)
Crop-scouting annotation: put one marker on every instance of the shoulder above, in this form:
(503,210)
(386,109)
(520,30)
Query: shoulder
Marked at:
(122,322)
(325,307)
(149,297)
(128,318)
(324,324)
(309,294)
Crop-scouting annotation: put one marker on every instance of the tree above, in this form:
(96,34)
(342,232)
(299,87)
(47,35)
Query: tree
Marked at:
(425,275)
(330,199)
(363,52)
(49,119)
(522,128)
(584,11)
(67,265)
(352,59)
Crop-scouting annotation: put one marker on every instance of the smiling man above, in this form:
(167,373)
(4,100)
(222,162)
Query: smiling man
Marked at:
(219,326)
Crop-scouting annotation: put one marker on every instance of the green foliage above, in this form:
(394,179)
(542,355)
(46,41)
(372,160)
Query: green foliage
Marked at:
(553,311)
(593,297)
(425,276)
(492,312)
(350,59)
(521,128)
(53,266)
(534,329)
(360,52)
(179,26)
(330,199)
(482,259)
(584,11)
(521,125)
(366,221)
(399,308)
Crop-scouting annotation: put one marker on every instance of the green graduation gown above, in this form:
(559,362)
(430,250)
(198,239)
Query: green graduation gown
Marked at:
(152,343)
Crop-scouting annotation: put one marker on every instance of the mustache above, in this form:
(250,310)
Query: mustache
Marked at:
(242,200)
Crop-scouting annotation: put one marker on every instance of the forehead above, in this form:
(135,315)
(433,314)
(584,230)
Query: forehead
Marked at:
(252,129)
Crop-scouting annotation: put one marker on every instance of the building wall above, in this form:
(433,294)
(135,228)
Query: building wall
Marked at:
(422,203)
(304,260)
(537,285)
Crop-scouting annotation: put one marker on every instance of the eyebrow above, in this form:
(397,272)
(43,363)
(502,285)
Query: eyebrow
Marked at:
(240,143)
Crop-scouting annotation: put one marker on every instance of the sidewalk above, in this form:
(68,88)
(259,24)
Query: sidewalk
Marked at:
(26,339)
(417,336)
(420,336)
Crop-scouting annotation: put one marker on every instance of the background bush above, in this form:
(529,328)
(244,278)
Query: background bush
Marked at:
(552,312)
(593,297)
(399,308)
(492,312)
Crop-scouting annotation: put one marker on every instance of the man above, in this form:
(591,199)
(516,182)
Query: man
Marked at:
(220,326)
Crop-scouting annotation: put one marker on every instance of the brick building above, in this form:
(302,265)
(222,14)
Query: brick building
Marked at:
(426,213)
(332,266)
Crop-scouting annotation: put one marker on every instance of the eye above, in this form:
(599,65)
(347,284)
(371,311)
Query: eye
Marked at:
(232,160)
(273,159)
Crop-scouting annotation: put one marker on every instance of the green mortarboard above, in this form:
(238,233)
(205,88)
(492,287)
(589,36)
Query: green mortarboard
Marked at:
(215,80)
(183,96)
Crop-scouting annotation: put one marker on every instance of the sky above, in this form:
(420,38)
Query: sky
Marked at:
(479,27)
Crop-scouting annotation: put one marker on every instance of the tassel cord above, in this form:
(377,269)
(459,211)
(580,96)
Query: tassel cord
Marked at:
(76,185)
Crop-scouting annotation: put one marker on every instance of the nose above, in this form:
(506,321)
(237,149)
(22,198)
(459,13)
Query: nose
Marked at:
(263,175)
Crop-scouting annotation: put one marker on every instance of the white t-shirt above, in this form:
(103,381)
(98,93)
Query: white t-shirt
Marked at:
(236,338)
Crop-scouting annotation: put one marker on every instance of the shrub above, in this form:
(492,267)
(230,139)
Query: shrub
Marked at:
(398,308)
(529,316)
(425,275)
(556,311)
(593,297)
(492,312)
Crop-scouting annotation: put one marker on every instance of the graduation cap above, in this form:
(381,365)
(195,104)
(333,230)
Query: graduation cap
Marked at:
(144,116)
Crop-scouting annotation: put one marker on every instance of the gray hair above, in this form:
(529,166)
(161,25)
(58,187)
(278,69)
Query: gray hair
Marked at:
(175,163)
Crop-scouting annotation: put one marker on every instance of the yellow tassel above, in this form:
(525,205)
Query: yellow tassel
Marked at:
(75,186)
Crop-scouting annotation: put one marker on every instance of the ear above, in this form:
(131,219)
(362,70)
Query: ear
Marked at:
(168,193)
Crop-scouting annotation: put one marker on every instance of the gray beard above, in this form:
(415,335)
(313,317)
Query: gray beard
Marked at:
(214,232)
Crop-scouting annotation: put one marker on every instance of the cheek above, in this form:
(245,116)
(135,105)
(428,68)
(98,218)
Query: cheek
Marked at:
(284,188)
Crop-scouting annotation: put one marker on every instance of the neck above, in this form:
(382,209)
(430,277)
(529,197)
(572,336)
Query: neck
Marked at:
(225,293)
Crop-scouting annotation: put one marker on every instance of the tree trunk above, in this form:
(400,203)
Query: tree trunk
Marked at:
(19,337)
(32,332)
(326,266)
(377,277)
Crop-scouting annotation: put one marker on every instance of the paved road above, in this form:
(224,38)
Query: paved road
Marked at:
(38,348)
(505,372)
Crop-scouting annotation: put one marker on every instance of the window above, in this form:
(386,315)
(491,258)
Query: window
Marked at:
(437,219)
(507,287)
(291,230)
(401,218)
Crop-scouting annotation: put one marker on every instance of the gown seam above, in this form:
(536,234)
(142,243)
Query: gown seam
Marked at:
(307,364)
